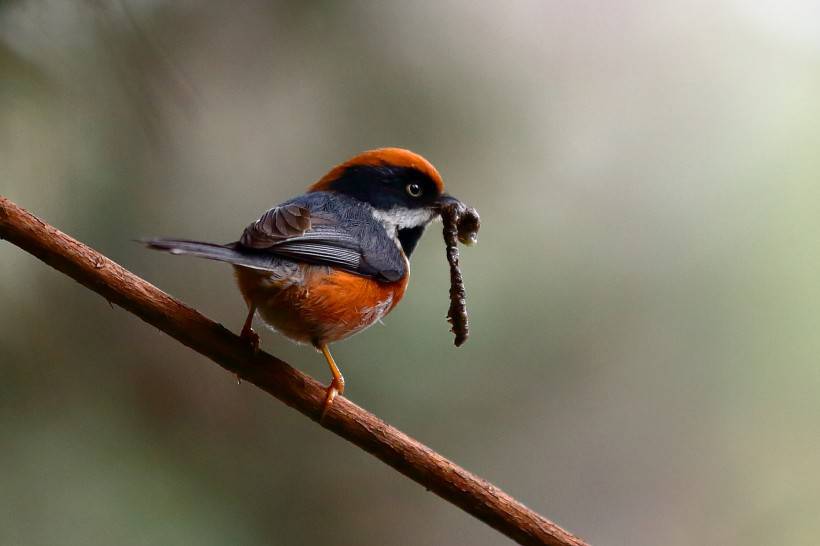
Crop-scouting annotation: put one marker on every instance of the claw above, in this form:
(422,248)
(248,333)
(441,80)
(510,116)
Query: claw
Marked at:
(251,337)
(336,387)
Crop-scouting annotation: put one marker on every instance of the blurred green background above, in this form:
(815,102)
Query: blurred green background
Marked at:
(645,297)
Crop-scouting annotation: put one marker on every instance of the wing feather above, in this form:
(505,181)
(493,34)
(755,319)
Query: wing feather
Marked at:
(321,228)
(277,224)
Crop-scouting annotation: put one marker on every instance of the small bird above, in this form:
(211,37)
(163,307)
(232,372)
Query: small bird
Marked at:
(329,263)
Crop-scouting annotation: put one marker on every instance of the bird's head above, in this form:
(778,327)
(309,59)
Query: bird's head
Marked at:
(404,189)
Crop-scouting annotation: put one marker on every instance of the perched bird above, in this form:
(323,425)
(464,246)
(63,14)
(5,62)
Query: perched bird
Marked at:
(329,263)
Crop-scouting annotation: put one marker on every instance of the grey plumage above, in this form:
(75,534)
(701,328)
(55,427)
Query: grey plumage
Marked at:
(320,228)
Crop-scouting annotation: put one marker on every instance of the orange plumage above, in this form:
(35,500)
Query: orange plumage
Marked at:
(328,305)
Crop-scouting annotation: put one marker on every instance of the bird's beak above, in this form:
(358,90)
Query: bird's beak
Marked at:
(446,200)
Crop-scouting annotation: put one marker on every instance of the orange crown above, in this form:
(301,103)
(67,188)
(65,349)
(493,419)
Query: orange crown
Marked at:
(382,157)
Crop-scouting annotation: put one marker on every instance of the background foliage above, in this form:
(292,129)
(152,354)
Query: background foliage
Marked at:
(644,299)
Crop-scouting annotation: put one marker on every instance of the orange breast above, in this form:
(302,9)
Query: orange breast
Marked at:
(319,305)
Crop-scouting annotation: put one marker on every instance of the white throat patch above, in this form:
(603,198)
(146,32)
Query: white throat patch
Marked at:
(402,218)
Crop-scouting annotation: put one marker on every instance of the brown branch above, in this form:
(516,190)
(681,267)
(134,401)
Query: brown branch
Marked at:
(413,459)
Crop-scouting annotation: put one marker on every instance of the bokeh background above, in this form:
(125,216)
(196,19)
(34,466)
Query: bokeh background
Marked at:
(645,297)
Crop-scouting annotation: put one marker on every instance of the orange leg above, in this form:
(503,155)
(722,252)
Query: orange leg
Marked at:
(247,332)
(337,386)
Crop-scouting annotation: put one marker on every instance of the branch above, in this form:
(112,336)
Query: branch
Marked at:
(301,392)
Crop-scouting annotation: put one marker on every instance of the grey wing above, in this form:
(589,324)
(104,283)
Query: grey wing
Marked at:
(326,229)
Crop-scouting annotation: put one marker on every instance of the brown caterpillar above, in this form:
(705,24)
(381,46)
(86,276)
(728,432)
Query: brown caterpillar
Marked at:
(461,223)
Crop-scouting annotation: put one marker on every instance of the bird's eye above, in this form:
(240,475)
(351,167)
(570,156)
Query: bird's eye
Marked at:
(413,190)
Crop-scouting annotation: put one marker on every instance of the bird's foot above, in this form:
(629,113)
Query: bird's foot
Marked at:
(337,386)
(251,337)
(253,340)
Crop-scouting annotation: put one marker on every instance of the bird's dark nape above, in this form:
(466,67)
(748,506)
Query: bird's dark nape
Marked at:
(384,186)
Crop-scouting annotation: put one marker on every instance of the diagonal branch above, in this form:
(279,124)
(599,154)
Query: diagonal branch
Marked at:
(413,459)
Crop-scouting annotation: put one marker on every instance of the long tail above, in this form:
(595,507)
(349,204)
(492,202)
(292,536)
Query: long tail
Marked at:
(229,253)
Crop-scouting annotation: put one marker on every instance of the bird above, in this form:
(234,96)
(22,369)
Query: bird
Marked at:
(327,264)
